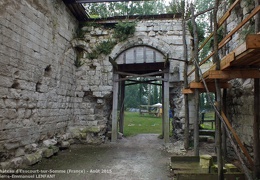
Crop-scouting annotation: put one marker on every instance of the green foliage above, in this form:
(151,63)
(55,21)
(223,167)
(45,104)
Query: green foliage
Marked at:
(104,10)
(123,30)
(80,33)
(93,55)
(79,53)
(105,47)
(200,30)
(78,63)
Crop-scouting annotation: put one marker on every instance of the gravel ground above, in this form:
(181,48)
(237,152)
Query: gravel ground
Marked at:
(142,157)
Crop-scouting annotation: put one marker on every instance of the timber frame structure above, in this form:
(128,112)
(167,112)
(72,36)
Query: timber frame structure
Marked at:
(139,62)
(242,62)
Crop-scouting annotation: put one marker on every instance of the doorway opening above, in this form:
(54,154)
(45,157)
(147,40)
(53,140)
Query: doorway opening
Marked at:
(142,104)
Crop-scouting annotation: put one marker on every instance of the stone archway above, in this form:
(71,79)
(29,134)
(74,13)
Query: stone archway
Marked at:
(137,59)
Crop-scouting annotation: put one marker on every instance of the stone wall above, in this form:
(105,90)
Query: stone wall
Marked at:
(240,98)
(37,77)
(46,101)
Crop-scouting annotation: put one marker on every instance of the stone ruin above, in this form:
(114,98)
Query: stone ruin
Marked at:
(47,103)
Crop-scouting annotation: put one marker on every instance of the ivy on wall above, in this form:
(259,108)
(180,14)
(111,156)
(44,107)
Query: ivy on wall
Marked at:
(122,31)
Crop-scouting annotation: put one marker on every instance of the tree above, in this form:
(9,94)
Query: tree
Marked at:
(104,10)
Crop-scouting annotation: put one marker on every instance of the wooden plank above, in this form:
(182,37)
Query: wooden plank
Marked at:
(227,14)
(187,91)
(113,62)
(252,14)
(253,41)
(206,176)
(220,22)
(238,139)
(225,63)
(200,85)
(232,74)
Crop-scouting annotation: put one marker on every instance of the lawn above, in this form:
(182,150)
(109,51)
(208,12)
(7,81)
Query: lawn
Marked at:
(136,124)
(208,125)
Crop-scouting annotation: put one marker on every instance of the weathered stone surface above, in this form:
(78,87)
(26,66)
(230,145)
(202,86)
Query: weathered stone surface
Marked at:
(64,145)
(19,152)
(31,159)
(50,142)
(17,162)
(55,149)
(47,152)
(5,165)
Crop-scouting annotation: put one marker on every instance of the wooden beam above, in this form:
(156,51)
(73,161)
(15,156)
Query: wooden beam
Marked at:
(211,85)
(140,75)
(113,62)
(150,79)
(238,140)
(253,41)
(187,91)
(232,74)
(253,13)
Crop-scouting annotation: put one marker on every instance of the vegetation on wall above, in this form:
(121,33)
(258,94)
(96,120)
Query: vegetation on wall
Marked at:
(104,47)
(78,63)
(123,30)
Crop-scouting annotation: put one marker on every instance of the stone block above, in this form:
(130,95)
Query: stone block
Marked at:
(90,129)
(17,162)
(64,144)
(19,152)
(11,145)
(50,142)
(55,149)
(83,135)
(5,165)
(231,168)
(75,132)
(206,161)
(32,159)
(47,152)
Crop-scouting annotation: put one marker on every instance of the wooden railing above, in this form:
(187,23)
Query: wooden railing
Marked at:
(228,37)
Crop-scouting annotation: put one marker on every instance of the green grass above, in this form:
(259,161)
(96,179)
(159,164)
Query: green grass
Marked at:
(208,116)
(136,124)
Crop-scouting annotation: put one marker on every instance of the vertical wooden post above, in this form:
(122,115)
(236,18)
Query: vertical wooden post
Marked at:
(218,93)
(196,58)
(122,108)
(256,125)
(114,108)
(163,119)
(224,135)
(166,103)
(224,99)
(186,96)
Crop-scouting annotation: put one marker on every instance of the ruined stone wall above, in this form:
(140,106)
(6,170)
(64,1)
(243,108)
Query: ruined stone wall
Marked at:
(37,77)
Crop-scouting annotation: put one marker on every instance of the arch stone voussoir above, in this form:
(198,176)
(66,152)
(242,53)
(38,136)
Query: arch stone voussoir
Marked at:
(155,43)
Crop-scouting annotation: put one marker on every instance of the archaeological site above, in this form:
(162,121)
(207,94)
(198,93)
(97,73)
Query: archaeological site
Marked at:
(64,71)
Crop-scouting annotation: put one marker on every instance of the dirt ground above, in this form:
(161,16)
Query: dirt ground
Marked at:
(142,157)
